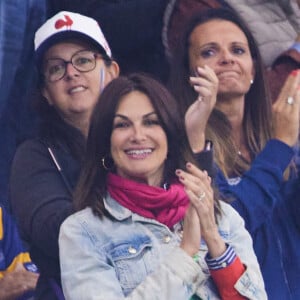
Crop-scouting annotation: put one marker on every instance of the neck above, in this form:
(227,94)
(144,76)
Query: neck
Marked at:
(233,109)
(82,124)
(149,180)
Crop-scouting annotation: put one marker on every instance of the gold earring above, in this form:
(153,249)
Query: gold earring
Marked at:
(107,165)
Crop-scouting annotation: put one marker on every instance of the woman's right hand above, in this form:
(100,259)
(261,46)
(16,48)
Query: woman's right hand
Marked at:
(196,117)
(286,111)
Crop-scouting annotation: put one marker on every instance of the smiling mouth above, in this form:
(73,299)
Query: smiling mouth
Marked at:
(139,153)
(76,89)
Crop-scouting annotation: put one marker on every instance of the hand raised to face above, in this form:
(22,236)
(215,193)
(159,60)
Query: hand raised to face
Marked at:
(205,83)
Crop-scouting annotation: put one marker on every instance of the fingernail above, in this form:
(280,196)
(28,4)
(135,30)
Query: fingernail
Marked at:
(295,72)
(177,172)
(199,69)
(188,165)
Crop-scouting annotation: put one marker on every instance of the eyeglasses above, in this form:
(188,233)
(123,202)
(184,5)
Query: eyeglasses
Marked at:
(82,61)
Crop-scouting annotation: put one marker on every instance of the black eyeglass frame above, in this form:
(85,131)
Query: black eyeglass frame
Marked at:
(65,63)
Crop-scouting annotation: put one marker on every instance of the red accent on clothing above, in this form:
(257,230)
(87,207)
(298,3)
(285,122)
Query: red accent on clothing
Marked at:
(165,206)
(226,278)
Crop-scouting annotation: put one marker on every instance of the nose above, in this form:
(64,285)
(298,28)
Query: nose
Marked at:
(226,57)
(70,71)
(138,133)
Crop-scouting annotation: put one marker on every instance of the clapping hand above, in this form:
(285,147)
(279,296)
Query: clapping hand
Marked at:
(200,218)
(205,83)
(286,110)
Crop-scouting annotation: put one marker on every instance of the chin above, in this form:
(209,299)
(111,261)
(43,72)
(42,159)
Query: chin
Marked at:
(231,91)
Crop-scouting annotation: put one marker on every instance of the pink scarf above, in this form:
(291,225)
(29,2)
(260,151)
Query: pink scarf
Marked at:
(165,206)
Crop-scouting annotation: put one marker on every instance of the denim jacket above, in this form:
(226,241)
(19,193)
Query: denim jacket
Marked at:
(128,256)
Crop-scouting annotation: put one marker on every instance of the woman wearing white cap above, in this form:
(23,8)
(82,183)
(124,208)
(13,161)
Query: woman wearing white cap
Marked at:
(75,63)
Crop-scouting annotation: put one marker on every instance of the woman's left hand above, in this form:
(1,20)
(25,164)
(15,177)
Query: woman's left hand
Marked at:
(286,111)
(198,188)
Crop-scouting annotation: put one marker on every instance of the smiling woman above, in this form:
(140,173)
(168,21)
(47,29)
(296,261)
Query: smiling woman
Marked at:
(128,239)
(74,63)
(72,89)
(139,144)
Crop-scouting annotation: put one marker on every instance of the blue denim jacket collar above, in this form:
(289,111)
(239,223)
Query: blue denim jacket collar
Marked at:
(120,212)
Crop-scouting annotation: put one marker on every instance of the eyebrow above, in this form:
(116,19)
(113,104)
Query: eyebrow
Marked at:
(144,116)
(214,44)
(209,44)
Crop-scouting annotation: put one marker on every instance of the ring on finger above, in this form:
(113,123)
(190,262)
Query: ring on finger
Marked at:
(290,100)
(201,196)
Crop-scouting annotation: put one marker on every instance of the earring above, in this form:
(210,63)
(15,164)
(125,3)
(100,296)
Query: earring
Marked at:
(108,164)
(251,81)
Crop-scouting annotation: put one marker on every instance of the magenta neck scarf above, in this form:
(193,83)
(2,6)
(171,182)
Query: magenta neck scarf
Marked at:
(165,206)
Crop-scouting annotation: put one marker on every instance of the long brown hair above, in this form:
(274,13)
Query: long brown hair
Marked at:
(91,188)
(257,123)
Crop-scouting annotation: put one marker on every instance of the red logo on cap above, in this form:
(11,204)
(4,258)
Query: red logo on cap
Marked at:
(61,23)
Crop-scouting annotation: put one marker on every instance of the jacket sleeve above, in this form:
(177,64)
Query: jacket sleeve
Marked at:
(258,191)
(251,283)
(85,268)
(291,194)
(12,249)
(39,197)
(205,162)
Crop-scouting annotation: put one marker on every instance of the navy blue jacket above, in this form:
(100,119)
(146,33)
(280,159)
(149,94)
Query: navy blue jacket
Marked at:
(271,210)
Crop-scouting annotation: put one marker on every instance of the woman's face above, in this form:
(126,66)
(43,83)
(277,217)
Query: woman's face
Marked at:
(224,47)
(138,142)
(76,93)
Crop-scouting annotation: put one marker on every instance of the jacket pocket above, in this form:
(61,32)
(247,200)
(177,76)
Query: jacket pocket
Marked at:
(133,259)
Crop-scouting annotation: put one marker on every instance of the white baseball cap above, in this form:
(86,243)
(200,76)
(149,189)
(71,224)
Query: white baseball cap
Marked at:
(66,25)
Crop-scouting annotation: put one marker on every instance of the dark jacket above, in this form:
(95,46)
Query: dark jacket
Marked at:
(41,199)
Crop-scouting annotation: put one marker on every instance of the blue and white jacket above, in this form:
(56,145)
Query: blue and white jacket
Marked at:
(129,256)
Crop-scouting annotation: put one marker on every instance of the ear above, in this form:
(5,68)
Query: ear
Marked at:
(46,96)
(113,70)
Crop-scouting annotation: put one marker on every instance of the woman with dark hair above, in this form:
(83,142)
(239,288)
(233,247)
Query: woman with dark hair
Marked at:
(75,63)
(218,79)
(138,182)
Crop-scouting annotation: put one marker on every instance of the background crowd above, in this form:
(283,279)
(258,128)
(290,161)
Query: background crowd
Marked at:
(147,36)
